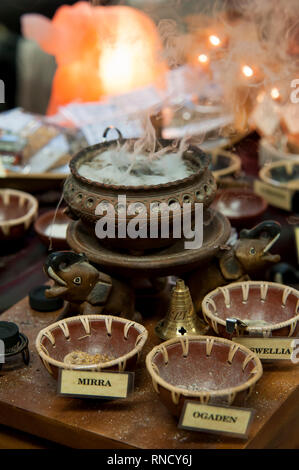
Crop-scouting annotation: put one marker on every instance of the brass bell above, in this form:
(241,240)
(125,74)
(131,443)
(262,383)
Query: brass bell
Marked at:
(181,318)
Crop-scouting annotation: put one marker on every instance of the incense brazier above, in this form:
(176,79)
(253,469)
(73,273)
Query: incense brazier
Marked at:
(84,195)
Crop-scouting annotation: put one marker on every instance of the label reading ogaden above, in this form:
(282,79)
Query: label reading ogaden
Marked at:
(271,348)
(90,384)
(216,419)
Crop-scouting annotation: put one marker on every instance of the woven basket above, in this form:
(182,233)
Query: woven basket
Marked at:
(283,174)
(224,164)
(202,368)
(275,304)
(94,334)
(19,209)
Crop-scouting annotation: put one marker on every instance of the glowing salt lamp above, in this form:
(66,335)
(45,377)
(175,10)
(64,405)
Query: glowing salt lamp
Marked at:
(99,51)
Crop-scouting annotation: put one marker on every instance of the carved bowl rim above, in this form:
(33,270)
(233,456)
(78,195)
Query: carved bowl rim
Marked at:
(214,319)
(265,173)
(28,216)
(84,319)
(233,167)
(203,395)
(204,164)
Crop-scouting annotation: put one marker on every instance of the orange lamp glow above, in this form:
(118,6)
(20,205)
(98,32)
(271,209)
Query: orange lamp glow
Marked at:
(100,51)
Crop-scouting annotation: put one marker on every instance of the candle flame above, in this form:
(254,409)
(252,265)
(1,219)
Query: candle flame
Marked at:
(214,40)
(203,58)
(275,93)
(247,71)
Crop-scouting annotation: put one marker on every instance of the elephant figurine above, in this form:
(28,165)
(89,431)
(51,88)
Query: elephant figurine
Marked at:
(249,257)
(87,290)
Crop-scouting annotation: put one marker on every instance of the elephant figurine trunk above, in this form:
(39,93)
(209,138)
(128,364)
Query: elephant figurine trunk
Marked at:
(85,289)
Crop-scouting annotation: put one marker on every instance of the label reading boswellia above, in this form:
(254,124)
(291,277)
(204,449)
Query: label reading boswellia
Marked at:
(271,348)
(95,384)
(216,419)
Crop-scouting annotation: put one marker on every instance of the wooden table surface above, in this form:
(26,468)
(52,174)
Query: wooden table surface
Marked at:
(29,403)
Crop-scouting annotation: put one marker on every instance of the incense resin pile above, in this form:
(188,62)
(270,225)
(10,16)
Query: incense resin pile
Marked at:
(119,166)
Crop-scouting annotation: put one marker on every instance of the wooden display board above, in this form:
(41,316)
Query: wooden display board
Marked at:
(29,403)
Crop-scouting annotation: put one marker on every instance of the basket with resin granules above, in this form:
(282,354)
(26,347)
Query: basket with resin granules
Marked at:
(254,308)
(206,369)
(91,342)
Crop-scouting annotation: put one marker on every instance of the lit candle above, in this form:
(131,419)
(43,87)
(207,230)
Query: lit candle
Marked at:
(275,95)
(244,96)
(214,40)
(203,59)
(247,71)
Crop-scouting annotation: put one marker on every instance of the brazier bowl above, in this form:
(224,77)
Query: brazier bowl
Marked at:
(83,195)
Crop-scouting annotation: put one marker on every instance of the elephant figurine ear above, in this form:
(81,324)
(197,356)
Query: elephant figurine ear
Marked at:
(230,266)
(100,293)
(267,229)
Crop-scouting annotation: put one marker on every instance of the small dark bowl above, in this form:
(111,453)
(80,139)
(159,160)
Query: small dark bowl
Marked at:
(241,206)
(224,164)
(282,174)
(43,224)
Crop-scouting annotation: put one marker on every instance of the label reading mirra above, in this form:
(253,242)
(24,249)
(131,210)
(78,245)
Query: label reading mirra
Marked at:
(95,384)
(216,419)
